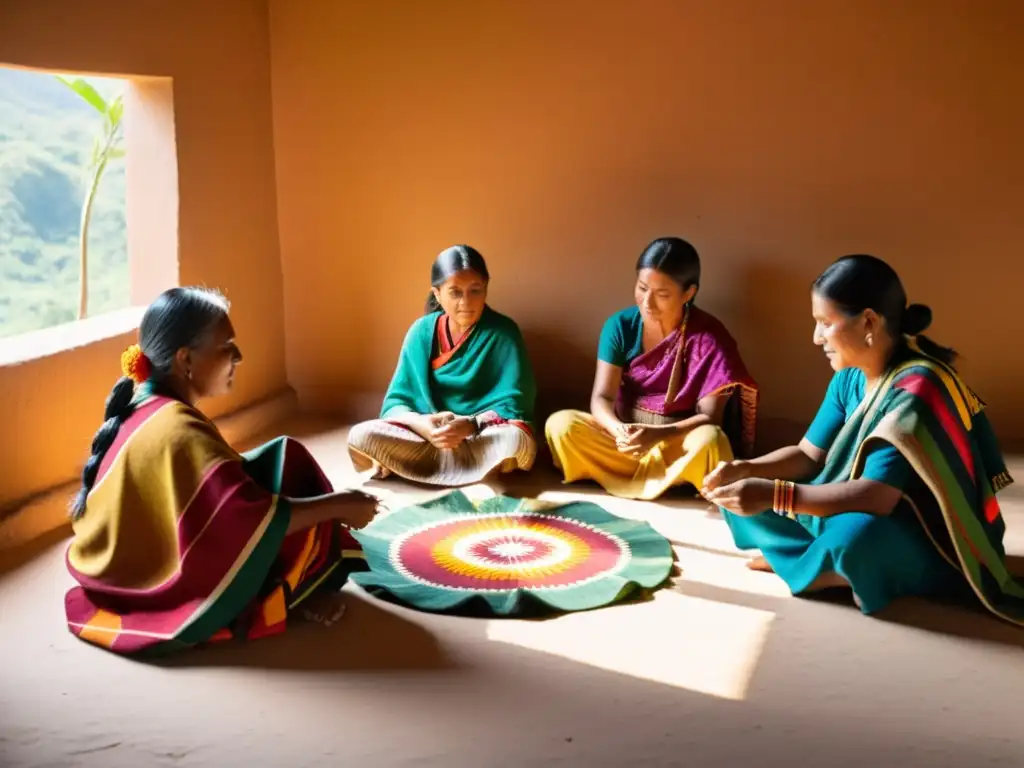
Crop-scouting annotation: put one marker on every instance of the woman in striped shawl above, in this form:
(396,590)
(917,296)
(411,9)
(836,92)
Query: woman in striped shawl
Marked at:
(892,490)
(178,539)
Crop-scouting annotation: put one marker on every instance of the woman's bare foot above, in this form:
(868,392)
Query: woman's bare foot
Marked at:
(759,564)
(377,472)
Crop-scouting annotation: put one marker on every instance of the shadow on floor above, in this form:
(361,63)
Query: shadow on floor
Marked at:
(353,644)
(954,621)
(18,557)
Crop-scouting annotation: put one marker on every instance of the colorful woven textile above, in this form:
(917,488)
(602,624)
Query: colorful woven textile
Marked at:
(510,557)
(184,541)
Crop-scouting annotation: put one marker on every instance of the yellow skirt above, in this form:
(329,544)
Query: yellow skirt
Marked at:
(583,449)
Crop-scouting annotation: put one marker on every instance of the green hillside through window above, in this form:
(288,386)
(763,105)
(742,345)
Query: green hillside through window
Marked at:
(47,134)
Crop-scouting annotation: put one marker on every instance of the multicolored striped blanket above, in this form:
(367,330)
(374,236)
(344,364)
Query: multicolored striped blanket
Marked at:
(925,410)
(184,541)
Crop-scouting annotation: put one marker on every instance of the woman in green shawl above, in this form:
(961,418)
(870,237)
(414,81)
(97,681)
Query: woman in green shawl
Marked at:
(892,492)
(460,404)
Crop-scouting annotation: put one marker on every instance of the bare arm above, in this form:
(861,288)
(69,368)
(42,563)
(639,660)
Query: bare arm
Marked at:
(753,495)
(354,509)
(794,462)
(852,495)
(607,381)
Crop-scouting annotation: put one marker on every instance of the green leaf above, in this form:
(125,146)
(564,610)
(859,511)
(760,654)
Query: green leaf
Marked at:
(115,153)
(87,92)
(115,111)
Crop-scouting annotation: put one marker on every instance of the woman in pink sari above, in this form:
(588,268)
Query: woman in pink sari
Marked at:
(671,395)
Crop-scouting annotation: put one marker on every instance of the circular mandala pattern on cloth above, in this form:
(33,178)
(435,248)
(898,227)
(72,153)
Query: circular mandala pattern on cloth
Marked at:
(509,557)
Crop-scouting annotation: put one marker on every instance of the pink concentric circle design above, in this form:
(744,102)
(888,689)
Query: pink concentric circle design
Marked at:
(500,552)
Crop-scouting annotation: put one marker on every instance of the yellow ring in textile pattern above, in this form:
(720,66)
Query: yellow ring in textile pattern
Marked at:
(445,553)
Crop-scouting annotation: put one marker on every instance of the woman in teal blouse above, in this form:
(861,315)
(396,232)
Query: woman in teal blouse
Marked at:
(460,404)
(892,491)
(671,395)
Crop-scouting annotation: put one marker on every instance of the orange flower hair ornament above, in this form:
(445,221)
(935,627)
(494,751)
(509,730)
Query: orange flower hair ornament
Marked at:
(135,365)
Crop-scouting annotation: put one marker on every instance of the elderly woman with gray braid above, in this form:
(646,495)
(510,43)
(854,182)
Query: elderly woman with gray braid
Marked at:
(892,492)
(178,539)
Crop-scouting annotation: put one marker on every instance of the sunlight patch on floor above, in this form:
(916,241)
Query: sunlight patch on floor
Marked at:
(640,510)
(688,642)
(735,577)
(675,516)
(725,571)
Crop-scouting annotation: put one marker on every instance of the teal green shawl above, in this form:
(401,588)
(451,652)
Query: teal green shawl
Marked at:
(930,416)
(490,371)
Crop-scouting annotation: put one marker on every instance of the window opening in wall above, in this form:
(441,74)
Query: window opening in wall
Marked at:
(62,174)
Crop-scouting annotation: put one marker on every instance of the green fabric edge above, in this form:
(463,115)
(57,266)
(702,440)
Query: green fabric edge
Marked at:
(650,564)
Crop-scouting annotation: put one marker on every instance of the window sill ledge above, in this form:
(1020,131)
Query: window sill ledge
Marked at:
(47,342)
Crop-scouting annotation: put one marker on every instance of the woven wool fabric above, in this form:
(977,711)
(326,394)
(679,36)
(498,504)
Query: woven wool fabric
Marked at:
(506,557)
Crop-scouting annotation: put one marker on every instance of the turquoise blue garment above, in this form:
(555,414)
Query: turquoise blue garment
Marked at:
(882,558)
(490,371)
(883,463)
(622,338)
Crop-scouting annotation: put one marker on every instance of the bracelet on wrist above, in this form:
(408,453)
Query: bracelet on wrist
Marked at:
(784,499)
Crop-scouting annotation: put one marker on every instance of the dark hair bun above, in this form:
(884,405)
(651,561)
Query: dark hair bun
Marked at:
(916,319)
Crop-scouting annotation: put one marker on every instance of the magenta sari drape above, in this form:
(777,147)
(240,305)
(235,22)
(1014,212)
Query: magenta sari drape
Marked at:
(698,360)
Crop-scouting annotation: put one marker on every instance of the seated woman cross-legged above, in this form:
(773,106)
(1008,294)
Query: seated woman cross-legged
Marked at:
(892,492)
(670,392)
(460,404)
(178,539)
